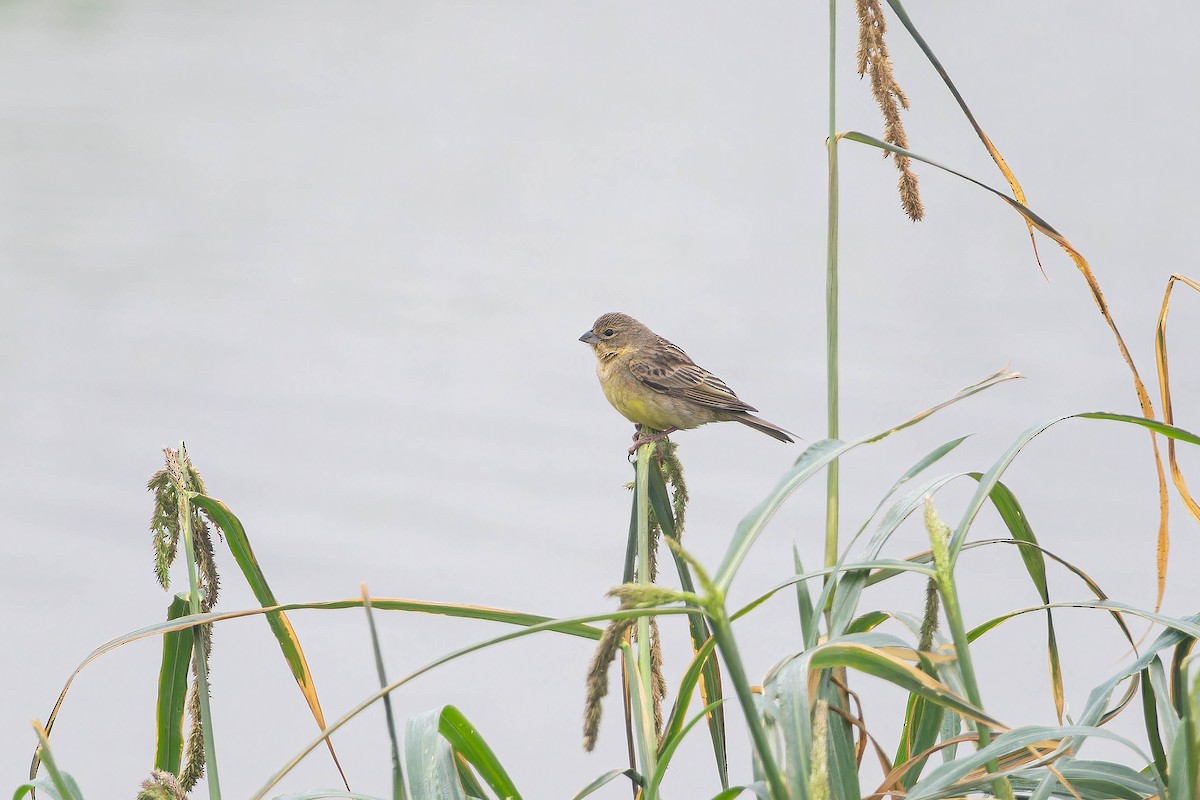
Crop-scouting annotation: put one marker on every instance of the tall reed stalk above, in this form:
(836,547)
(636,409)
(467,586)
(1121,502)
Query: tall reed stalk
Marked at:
(831,300)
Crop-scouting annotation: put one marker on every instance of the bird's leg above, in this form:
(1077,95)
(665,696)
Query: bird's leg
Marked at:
(657,436)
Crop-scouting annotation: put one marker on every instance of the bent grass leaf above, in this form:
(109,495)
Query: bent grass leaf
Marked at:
(1006,503)
(886,664)
(429,759)
(239,545)
(281,626)
(924,558)
(471,746)
(1093,284)
(606,779)
(992,477)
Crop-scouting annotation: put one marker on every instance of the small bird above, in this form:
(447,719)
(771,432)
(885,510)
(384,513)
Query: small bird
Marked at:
(655,385)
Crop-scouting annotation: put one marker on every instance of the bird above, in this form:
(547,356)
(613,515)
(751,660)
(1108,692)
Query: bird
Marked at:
(656,386)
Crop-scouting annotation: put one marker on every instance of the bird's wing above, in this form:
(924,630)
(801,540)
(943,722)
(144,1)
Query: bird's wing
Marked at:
(667,369)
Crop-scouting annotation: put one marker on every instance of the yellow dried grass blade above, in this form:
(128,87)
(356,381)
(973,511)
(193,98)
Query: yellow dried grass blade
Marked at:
(1164,383)
(1147,407)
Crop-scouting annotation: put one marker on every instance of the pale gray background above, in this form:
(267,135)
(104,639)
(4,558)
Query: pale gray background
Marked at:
(345,250)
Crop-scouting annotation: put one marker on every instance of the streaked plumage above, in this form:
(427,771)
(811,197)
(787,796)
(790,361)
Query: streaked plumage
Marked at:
(653,383)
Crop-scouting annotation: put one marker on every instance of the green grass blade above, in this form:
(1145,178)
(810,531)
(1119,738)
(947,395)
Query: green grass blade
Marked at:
(923,722)
(867,622)
(1170,431)
(467,741)
(1168,719)
(643,733)
(606,779)
(1010,510)
(172,691)
(673,726)
(808,620)
(1179,679)
(697,628)
(631,547)
(1184,766)
(672,744)
(924,558)
(1150,716)
(1184,763)
(843,762)
(285,635)
(991,478)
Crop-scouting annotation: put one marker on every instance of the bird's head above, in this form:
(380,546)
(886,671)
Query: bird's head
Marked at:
(614,333)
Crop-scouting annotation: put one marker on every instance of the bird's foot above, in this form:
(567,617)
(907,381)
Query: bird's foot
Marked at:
(658,436)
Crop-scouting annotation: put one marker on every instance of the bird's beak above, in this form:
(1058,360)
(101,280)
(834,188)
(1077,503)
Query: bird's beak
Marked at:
(590,338)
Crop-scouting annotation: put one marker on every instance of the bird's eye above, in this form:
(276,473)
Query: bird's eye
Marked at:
(608,332)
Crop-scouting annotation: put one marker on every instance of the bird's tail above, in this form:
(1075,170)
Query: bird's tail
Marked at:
(768,428)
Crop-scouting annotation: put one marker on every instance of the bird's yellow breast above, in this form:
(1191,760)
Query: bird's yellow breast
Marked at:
(637,402)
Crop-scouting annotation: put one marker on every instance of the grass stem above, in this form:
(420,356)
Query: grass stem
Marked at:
(644,673)
(831,300)
(201,658)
